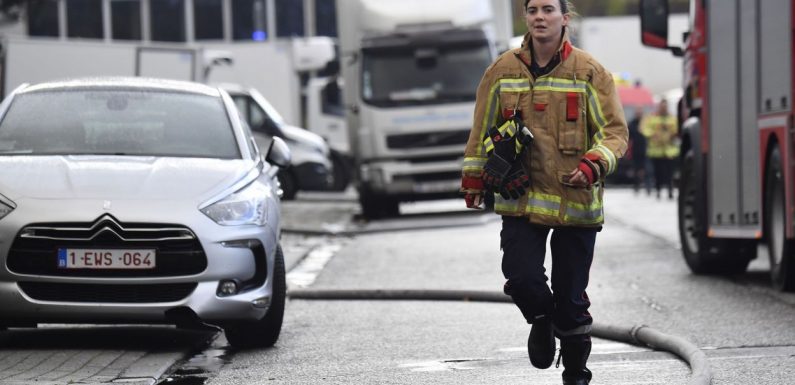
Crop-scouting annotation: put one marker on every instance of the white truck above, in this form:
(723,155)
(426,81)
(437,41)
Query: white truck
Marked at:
(411,69)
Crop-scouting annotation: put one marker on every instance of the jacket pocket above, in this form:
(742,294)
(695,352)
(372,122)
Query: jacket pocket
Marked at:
(571,124)
(540,113)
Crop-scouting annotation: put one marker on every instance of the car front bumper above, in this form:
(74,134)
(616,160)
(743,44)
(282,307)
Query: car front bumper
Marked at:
(228,249)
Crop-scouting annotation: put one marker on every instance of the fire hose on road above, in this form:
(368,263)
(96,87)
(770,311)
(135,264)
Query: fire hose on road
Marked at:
(701,373)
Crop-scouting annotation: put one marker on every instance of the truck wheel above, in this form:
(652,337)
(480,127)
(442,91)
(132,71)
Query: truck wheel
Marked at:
(342,173)
(702,254)
(288,185)
(378,206)
(265,332)
(782,260)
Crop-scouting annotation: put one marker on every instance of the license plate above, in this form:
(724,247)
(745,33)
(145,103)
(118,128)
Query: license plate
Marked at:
(106,258)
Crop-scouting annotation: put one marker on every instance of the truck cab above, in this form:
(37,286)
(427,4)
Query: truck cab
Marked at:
(411,70)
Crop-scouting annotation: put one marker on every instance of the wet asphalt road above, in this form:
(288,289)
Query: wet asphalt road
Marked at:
(746,329)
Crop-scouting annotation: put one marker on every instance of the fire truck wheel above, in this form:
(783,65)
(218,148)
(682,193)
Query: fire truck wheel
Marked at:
(782,260)
(706,255)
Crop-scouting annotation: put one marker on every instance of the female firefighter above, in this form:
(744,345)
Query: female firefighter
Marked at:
(548,127)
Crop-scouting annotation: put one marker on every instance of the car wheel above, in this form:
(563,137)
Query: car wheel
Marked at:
(288,185)
(265,332)
(782,260)
(705,255)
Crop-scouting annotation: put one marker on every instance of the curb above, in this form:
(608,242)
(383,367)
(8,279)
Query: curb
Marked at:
(641,335)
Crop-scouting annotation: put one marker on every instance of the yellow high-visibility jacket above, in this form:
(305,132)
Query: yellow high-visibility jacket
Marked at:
(571,111)
(662,138)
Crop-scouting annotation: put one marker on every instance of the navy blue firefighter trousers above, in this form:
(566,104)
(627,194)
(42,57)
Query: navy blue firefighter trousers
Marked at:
(524,248)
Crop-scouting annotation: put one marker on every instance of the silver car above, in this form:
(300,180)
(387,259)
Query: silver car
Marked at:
(128,200)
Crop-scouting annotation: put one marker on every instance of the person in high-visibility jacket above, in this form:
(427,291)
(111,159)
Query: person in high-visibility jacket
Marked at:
(569,103)
(662,146)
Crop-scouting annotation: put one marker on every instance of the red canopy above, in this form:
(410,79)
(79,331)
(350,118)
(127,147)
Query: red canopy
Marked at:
(634,96)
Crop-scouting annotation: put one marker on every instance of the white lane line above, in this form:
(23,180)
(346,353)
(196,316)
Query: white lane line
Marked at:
(305,273)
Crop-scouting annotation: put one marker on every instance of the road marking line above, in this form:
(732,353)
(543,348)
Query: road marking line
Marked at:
(305,273)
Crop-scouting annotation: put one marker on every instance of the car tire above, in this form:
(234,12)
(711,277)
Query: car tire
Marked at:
(780,249)
(706,255)
(265,332)
(288,184)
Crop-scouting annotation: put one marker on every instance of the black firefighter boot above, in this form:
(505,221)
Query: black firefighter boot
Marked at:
(541,343)
(575,351)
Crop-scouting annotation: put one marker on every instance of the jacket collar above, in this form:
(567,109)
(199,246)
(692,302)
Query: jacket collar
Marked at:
(564,49)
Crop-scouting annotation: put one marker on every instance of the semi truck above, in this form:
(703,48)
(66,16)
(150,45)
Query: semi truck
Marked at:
(410,71)
(737,187)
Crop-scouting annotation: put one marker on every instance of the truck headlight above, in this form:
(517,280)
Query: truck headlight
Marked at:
(247,206)
(5,209)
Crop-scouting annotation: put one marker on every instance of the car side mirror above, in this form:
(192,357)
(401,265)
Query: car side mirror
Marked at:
(278,153)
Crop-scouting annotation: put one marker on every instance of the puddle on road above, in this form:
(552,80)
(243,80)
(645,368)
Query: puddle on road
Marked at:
(447,365)
(199,368)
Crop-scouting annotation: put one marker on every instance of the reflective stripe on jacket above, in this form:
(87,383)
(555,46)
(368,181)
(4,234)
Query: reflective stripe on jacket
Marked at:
(661,133)
(571,111)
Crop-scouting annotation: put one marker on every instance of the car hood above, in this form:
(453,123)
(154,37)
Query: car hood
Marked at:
(116,177)
(301,135)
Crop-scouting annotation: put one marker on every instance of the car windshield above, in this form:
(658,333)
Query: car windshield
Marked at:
(427,75)
(117,122)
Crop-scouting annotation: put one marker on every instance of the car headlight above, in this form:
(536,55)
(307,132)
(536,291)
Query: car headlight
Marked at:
(5,209)
(247,206)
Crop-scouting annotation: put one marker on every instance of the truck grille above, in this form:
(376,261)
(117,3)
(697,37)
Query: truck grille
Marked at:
(427,139)
(93,293)
(35,249)
(430,177)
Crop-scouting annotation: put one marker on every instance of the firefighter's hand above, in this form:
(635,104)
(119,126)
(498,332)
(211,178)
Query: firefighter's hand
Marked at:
(474,200)
(576,178)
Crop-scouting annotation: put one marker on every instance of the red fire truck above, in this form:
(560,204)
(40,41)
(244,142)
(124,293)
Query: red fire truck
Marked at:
(738,140)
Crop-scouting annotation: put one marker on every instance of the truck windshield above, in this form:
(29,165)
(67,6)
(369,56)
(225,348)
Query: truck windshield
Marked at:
(420,76)
(117,122)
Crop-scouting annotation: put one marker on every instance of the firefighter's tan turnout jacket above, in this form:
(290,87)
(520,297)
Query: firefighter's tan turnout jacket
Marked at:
(571,111)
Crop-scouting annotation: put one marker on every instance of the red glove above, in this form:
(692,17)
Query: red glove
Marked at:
(474,201)
(591,167)
(473,195)
(588,170)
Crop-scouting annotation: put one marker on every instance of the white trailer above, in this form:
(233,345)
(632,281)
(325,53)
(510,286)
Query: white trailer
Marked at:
(272,67)
(615,42)
(411,70)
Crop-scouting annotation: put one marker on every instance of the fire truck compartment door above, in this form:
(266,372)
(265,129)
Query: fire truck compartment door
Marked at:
(733,110)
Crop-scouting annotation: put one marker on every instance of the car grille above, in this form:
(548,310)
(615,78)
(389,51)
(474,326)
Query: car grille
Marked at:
(80,292)
(428,139)
(35,249)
